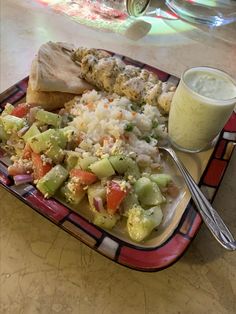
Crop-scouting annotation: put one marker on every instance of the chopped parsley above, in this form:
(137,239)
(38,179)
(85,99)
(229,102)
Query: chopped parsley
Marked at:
(147,139)
(154,124)
(129,127)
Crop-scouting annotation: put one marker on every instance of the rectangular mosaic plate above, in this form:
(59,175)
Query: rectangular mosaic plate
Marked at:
(181,219)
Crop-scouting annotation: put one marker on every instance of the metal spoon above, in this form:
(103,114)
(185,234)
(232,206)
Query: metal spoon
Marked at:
(209,215)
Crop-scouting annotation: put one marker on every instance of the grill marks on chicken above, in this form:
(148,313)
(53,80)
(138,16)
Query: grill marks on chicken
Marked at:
(113,75)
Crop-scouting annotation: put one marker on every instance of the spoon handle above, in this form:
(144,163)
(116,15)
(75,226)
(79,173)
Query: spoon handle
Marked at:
(211,218)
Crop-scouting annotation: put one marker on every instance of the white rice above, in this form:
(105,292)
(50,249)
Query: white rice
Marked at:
(102,123)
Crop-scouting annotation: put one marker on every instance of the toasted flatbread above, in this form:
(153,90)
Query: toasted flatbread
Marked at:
(53,70)
(48,100)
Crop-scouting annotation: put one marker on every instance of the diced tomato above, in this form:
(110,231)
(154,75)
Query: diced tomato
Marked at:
(21,110)
(78,188)
(85,177)
(115,196)
(40,168)
(27,151)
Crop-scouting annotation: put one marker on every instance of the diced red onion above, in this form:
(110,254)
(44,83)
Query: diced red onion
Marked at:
(98,204)
(22,178)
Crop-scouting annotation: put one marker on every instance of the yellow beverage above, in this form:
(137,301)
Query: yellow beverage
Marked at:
(202,104)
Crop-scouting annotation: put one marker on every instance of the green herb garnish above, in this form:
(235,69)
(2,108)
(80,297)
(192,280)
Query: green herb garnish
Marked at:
(154,124)
(146,138)
(129,127)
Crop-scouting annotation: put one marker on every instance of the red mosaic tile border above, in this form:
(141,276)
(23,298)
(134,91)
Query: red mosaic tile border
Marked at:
(48,207)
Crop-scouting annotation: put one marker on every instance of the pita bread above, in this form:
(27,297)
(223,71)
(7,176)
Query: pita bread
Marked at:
(48,100)
(53,70)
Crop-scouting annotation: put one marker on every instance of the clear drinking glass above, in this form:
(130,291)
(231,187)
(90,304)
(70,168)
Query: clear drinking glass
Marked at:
(210,12)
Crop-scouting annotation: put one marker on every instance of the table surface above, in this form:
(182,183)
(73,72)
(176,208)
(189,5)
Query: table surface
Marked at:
(45,270)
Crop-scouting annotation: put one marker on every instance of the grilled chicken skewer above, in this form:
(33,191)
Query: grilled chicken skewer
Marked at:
(113,75)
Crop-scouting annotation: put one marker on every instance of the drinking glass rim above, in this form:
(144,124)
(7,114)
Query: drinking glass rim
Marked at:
(205,98)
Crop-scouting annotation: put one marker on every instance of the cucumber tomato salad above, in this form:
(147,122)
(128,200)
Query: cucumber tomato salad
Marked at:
(100,147)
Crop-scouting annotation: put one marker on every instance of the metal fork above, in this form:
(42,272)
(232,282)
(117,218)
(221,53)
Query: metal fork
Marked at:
(209,215)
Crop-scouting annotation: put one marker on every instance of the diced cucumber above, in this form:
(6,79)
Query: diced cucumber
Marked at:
(3,135)
(95,190)
(11,124)
(61,138)
(69,132)
(105,220)
(161,179)
(120,163)
(41,142)
(49,118)
(55,153)
(33,130)
(102,168)
(142,185)
(148,192)
(71,160)
(130,200)
(84,163)
(133,169)
(123,164)
(7,109)
(140,222)
(52,181)
(71,196)
(102,218)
